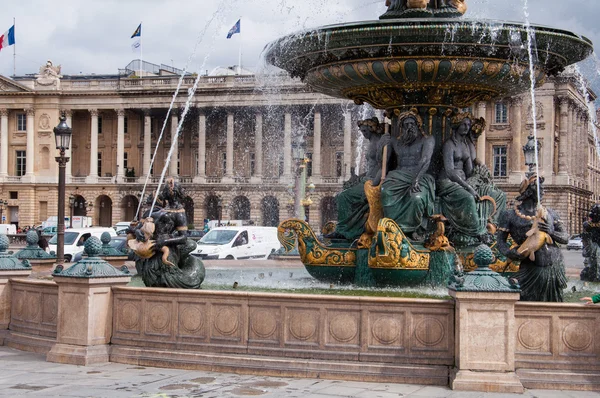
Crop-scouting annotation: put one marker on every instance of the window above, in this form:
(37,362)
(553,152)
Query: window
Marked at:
(21,163)
(501,113)
(99,124)
(178,163)
(125,122)
(197,163)
(99,164)
(500,161)
(224,162)
(339,163)
(309,164)
(13,194)
(252,163)
(21,122)
(125,163)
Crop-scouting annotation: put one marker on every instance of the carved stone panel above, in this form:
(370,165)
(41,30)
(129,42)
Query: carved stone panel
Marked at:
(128,316)
(387,330)
(227,322)
(430,332)
(158,317)
(265,324)
(193,320)
(302,326)
(577,336)
(343,328)
(533,335)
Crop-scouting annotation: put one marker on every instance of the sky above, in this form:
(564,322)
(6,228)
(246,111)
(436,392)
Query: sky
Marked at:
(93,36)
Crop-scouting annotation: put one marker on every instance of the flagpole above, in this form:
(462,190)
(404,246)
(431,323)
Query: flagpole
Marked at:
(240,53)
(141,50)
(14,50)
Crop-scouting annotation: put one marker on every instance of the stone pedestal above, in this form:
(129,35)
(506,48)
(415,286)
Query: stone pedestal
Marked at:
(84,327)
(85,308)
(485,342)
(5,301)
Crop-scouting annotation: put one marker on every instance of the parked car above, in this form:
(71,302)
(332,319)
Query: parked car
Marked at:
(117,242)
(238,243)
(121,226)
(76,237)
(575,243)
(196,234)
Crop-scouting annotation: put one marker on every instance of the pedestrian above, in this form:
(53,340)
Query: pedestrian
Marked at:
(42,241)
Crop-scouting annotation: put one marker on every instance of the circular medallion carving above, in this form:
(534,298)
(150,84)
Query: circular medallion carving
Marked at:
(429,332)
(44,122)
(343,328)
(129,316)
(428,66)
(529,335)
(303,325)
(226,322)
(577,336)
(394,67)
(386,330)
(159,317)
(51,308)
(18,306)
(492,68)
(264,324)
(33,308)
(191,319)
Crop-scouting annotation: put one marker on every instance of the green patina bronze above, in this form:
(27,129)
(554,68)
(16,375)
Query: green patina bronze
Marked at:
(33,250)
(7,260)
(92,266)
(107,250)
(483,279)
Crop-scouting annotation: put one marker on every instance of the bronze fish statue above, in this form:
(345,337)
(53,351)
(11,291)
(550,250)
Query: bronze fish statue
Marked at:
(536,239)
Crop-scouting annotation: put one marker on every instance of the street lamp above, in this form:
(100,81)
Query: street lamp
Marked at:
(62,135)
(529,150)
(302,200)
(219,210)
(3,205)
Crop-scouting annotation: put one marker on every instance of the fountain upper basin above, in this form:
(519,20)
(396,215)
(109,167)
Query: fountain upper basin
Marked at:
(400,62)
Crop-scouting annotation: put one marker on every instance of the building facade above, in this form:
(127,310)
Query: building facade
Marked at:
(234,153)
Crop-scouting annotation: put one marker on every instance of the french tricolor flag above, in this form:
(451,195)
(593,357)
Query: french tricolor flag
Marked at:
(8,38)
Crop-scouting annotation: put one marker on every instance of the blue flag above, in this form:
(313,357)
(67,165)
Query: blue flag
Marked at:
(235,29)
(138,32)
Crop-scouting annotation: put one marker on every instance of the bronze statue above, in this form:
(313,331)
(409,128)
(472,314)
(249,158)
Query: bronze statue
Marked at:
(468,198)
(161,244)
(407,194)
(352,204)
(542,276)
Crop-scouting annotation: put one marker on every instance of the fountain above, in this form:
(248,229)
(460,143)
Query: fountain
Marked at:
(424,64)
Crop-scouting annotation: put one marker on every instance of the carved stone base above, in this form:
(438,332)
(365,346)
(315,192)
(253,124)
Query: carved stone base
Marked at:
(501,382)
(79,355)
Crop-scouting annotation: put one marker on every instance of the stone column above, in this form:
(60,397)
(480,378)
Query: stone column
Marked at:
(31,152)
(287,147)
(175,145)
(85,309)
(563,166)
(201,176)
(485,330)
(147,144)
(570,137)
(93,176)
(258,149)
(517,160)
(347,144)
(229,153)
(316,160)
(3,143)
(69,153)
(120,144)
(481,141)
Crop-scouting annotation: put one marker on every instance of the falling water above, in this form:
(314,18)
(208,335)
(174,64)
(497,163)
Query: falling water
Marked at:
(591,109)
(199,40)
(530,38)
(220,12)
(366,112)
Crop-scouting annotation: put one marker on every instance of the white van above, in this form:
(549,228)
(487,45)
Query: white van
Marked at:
(8,229)
(76,237)
(238,243)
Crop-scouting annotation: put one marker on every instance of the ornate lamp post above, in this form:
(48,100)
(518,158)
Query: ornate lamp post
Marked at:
(62,134)
(298,150)
(529,150)
(3,205)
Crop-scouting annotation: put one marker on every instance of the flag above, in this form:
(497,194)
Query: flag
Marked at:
(137,39)
(8,38)
(235,29)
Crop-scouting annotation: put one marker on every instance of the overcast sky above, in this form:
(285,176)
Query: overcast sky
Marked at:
(93,36)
